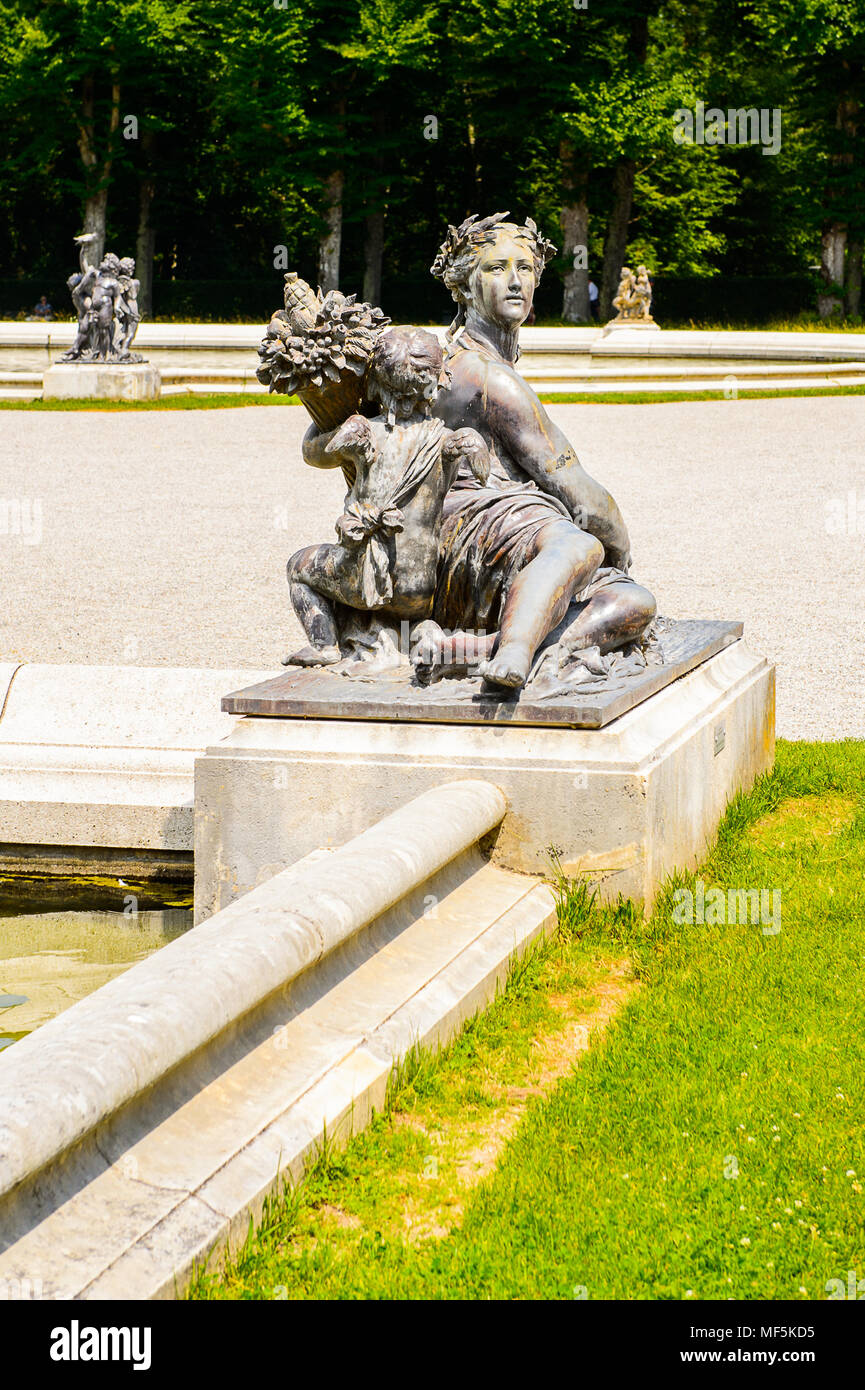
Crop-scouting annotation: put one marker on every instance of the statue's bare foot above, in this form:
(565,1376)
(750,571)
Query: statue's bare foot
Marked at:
(427,641)
(313,656)
(510,666)
(436,653)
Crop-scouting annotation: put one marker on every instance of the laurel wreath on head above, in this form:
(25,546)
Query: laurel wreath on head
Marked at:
(475,231)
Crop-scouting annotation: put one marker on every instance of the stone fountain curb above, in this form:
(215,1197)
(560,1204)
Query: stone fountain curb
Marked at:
(142,1128)
(103,756)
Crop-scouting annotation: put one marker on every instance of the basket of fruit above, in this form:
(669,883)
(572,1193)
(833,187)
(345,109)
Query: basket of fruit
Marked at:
(318,348)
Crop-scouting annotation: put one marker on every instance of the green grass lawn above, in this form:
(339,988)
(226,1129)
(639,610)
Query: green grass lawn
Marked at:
(218,400)
(227,400)
(666,397)
(651,1109)
(807,322)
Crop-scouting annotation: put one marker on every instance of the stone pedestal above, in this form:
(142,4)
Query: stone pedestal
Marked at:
(623,805)
(102,381)
(629,326)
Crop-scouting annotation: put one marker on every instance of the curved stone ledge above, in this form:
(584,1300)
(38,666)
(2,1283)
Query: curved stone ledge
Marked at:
(717,342)
(103,756)
(62,1081)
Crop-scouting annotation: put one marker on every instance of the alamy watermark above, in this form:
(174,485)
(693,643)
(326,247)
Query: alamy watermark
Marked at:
(737,906)
(736,126)
(845,516)
(21,1290)
(77,1343)
(852,1288)
(22,516)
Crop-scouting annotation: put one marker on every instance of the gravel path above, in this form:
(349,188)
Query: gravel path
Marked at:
(160,538)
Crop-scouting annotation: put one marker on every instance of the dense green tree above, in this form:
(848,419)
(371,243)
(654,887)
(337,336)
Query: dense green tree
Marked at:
(823,41)
(230,140)
(91,75)
(394,42)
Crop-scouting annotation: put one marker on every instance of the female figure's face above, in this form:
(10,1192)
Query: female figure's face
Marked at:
(503,281)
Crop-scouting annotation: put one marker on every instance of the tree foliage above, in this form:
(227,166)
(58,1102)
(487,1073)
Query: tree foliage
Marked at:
(269,124)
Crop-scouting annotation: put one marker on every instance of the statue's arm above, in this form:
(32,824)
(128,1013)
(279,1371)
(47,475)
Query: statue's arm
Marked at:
(469,447)
(540,448)
(315,443)
(83,243)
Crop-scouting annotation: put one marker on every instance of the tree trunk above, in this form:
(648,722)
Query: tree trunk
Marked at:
(474,198)
(145,245)
(574,222)
(376,189)
(145,242)
(838,288)
(833,246)
(95,211)
(849,112)
(616,242)
(97,176)
(330,245)
(853,278)
(373,254)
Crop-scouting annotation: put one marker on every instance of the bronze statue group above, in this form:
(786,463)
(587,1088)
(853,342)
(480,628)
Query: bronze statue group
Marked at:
(106,302)
(469,519)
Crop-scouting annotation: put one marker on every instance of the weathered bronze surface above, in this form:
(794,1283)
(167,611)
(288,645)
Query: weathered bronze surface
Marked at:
(542,534)
(588,703)
(402,463)
(318,348)
(478,573)
(106,302)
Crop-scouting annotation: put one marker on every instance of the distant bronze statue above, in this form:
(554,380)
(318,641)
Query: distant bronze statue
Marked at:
(470,527)
(634,297)
(128,315)
(102,294)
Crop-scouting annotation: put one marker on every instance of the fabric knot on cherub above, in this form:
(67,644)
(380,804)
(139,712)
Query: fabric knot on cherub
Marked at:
(360,520)
(364,525)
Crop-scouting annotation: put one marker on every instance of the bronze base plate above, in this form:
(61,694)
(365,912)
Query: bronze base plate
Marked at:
(317,693)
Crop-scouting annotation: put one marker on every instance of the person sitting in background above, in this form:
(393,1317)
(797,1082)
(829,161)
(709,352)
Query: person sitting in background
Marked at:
(42,310)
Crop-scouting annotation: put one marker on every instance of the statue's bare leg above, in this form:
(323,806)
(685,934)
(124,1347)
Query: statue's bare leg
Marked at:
(616,615)
(316,616)
(129,329)
(564,560)
(307,576)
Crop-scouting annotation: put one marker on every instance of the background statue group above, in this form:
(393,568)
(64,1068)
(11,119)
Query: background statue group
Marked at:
(634,296)
(106,302)
(469,523)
